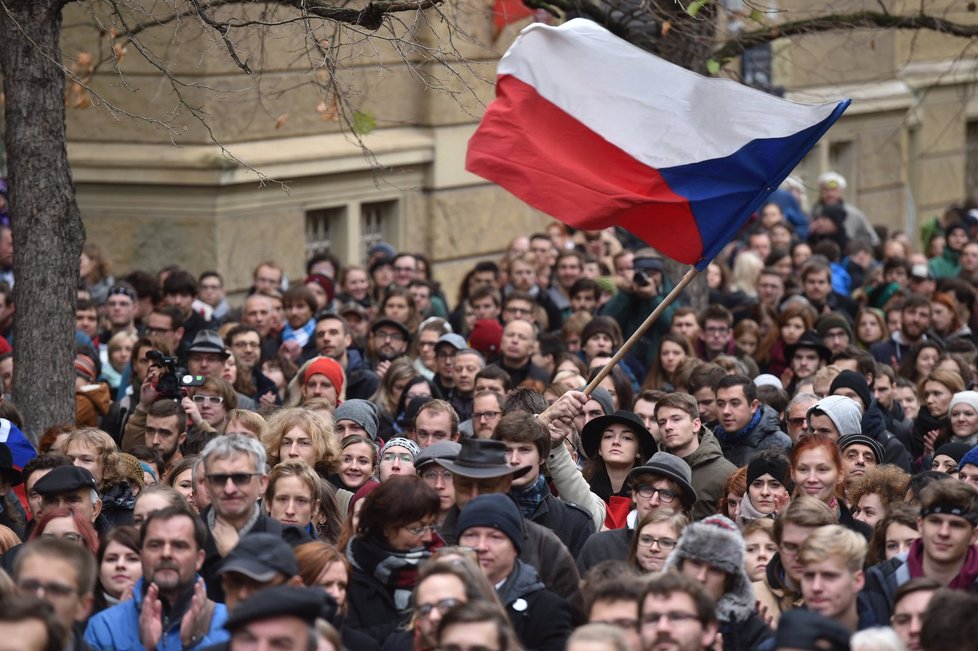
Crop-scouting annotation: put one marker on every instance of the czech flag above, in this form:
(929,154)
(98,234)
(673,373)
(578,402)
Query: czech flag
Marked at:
(597,132)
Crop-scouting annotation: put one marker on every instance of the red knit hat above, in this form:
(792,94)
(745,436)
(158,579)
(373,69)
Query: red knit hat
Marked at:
(486,336)
(328,367)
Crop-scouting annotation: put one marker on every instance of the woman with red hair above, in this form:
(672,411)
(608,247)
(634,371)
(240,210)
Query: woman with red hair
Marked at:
(817,470)
(65,523)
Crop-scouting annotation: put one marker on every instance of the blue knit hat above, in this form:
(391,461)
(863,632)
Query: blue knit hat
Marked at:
(971,457)
(496,511)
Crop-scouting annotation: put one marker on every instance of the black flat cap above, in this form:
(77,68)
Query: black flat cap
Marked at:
(65,479)
(261,557)
(280,601)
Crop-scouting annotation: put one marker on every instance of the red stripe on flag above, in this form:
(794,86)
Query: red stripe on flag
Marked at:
(558,165)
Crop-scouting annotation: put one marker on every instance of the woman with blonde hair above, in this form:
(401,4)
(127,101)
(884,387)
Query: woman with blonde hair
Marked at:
(296,433)
(244,422)
(388,393)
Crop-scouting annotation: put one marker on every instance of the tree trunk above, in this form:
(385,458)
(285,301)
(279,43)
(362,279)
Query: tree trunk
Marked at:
(47,228)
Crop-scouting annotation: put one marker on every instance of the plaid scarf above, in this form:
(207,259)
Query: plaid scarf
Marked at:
(530,497)
(396,571)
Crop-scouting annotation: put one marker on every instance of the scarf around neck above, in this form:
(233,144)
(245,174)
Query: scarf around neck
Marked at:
(397,571)
(733,438)
(530,497)
(300,336)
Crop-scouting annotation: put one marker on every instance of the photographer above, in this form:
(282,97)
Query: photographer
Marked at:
(164,381)
(636,299)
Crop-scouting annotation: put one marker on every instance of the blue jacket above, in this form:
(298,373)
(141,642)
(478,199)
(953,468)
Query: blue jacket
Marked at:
(117,628)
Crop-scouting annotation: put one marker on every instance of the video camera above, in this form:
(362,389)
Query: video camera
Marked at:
(175,378)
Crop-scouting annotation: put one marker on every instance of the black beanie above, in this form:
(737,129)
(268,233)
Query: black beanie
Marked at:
(854,381)
(777,467)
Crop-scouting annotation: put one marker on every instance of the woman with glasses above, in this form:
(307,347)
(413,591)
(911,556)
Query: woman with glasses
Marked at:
(64,523)
(655,537)
(207,409)
(394,536)
(397,458)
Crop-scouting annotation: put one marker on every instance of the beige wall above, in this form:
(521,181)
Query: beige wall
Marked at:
(152,203)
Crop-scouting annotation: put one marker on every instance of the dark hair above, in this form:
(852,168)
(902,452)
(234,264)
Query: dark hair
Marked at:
(21,608)
(919,584)
(180,281)
(300,294)
(913,301)
(324,256)
(172,311)
(398,501)
(74,554)
(949,623)
(145,284)
(170,512)
(667,583)
(473,612)
(896,513)
(775,398)
(238,330)
(955,493)
(526,400)
(923,479)
(522,427)
(150,456)
(730,381)
(582,285)
(716,313)
(46,461)
(705,375)
(496,372)
(85,304)
(865,363)
(623,387)
(627,586)
(128,537)
(165,408)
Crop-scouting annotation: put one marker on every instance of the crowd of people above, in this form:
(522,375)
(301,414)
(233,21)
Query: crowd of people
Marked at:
(358,461)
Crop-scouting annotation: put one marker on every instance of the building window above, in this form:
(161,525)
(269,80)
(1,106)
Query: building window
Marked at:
(321,229)
(378,222)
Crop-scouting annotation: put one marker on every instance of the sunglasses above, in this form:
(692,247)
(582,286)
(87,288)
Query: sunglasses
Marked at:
(238,478)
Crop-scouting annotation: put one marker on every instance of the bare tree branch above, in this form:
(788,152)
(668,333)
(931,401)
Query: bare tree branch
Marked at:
(862,19)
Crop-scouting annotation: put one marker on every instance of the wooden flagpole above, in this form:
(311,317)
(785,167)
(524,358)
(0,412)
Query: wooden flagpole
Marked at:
(649,320)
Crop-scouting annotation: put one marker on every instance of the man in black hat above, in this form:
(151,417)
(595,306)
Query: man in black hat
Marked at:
(206,354)
(481,468)
(72,487)
(854,386)
(805,357)
(282,617)
(389,339)
(260,561)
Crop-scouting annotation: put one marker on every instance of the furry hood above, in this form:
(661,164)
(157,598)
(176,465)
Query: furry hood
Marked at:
(717,541)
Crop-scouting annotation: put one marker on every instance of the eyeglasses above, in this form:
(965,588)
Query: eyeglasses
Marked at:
(389,336)
(418,531)
(442,606)
(797,422)
(156,331)
(435,475)
(672,617)
(516,310)
(445,354)
(239,478)
(57,590)
(404,457)
(665,495)
(488,415)
(214,400)
(665,544)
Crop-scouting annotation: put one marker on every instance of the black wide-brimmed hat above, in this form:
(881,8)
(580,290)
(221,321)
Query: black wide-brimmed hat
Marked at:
(591,435)
(808,339)
(482,459)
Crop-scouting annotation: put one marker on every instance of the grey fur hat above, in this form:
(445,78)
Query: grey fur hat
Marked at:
(717,540)
(361,412)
